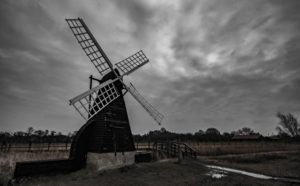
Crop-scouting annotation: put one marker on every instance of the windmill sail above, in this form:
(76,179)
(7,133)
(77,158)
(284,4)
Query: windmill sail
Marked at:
(105,93)
(132,63)
(90,46)
(101,96)
(157,116)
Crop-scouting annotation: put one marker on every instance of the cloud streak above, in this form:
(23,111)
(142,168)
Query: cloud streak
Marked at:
(218,64)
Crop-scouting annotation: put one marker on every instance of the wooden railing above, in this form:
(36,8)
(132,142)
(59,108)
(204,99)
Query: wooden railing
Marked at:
(171,149)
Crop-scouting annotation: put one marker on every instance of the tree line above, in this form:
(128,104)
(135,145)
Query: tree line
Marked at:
(36,136)
(288,128)
(210,134)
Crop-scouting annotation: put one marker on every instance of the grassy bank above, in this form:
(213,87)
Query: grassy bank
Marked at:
(280,163)
(157,173)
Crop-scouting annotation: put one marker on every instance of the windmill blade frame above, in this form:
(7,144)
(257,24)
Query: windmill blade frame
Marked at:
(157,116)
(90,46)
(132,63)
(89,103)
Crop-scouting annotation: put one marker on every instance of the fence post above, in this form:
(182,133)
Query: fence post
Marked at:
(29,147)
(179,154)
(49,143)
(168,149)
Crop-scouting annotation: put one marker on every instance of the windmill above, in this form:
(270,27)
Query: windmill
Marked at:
(99,104)
(103,107)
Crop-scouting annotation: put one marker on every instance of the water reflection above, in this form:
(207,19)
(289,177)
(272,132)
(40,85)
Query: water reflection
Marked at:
(219,172)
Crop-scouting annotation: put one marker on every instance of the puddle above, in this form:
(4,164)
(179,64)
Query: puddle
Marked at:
(216,174)
(165,160)
(260,176)
(251,174)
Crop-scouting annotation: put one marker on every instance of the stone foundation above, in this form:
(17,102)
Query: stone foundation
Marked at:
(102,161)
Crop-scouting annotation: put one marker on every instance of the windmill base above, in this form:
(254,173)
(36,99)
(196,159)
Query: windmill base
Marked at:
(103,161)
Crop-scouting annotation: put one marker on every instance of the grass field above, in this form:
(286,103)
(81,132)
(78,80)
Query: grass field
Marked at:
(156,174)
(223,148)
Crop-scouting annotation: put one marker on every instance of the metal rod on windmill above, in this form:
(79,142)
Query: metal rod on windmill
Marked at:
(89,103)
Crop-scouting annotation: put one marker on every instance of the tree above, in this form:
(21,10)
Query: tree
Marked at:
(288,124)
(211,134)
(19,133)
(52,133)
(39,133)
(199,133)
(19,136)
(30,131)
(46,133)
(163,130)
(213,131)
(227,136)
(244,131)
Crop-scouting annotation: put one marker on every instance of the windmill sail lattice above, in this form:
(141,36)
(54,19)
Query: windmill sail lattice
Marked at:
(89,45)
(100,95)
(157,116)
(89,103)
(132,63)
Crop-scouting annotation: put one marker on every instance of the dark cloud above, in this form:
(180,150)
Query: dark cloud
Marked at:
(241,53)
(225,64)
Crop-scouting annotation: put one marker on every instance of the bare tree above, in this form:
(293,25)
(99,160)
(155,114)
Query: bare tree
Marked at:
(52,133)
(30,130)
(46,133)
(288,125)
(39,133)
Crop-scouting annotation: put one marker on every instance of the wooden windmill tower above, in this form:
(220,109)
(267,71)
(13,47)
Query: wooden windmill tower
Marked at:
(103,106)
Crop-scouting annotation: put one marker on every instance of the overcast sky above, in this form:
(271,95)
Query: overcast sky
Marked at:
(226,64)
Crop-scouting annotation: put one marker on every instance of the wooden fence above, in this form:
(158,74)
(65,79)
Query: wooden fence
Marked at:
(33,147)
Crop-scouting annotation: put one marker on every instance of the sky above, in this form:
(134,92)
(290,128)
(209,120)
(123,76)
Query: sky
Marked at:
(225,64)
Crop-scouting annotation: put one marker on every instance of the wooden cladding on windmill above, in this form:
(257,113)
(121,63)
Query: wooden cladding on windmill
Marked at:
(91,102)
